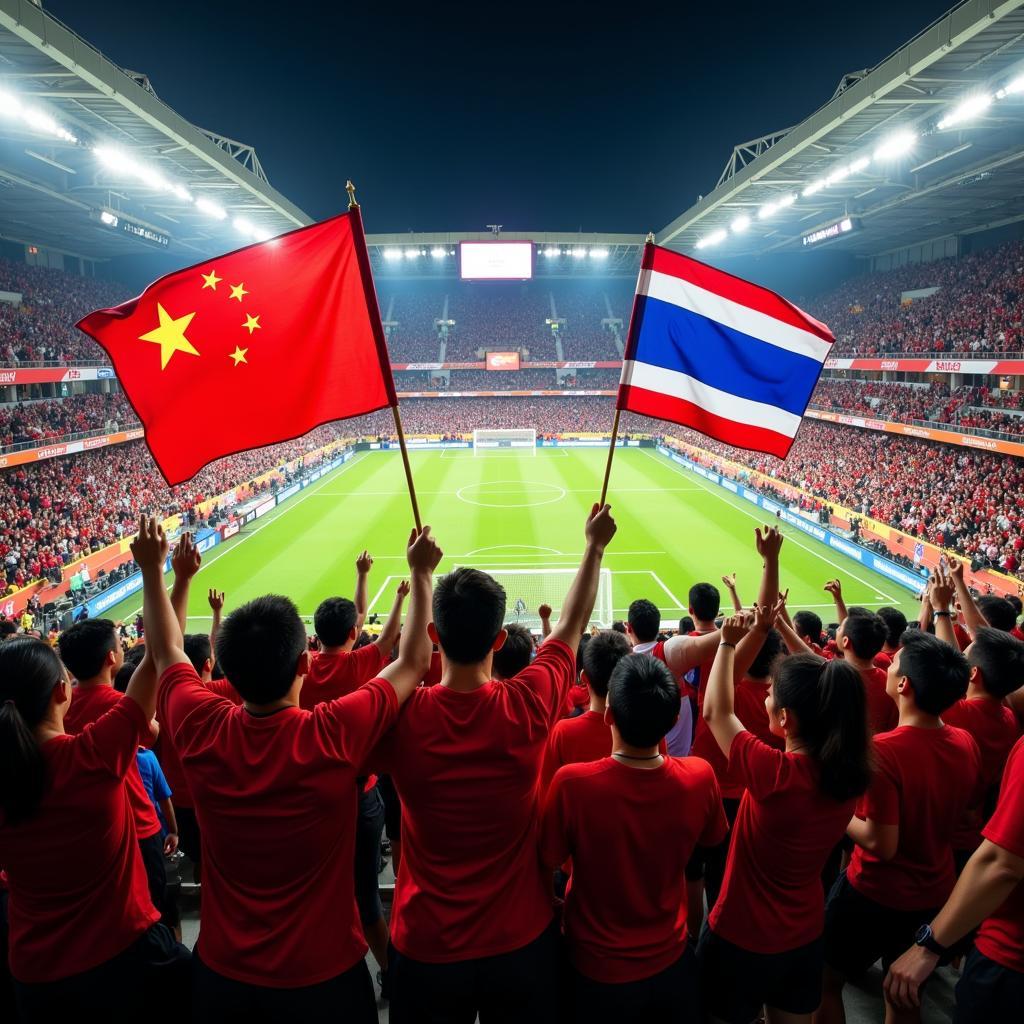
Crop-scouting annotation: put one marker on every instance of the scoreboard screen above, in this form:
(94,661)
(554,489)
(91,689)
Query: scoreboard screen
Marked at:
(496,261)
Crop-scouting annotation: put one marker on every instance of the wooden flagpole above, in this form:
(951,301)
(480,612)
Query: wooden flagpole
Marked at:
(618,413)
(364,266)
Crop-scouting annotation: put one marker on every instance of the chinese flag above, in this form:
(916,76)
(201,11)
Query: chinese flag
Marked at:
(251,348)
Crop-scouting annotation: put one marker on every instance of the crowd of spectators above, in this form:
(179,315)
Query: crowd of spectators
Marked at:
(27,423)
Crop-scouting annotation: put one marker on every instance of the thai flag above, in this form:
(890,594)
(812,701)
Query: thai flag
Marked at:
(709,351)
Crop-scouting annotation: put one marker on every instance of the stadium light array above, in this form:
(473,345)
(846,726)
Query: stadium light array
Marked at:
(713,239)
(895,146)
(412,254)
(210,208)
(438,253)
(550,251)
(578,254)
(1011,88)
(966,110)
(740,224)
(34,117)
(599,254)
(392,254)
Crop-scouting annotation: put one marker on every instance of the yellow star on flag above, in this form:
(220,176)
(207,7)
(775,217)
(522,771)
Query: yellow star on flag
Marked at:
(239,355)
(251,322)
(237,291)
(211,279)
(170,335)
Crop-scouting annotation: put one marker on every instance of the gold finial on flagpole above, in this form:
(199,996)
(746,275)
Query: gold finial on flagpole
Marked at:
(351,190)
(650,237)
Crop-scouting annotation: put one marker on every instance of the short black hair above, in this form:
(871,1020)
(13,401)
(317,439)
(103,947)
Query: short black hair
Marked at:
(132,659)
(515,652)
(198,650)
(1000,659)
(937,671)
(865,631)
(998,612)
(469,610)
(644,699)
(1018,605)
(705,601)
(259,645)
(600,657)
(686,625)
(85,645)
(7,628)
(895,625)
(808,624)
(772,647)
(644,620)
(334,621)
(619,626)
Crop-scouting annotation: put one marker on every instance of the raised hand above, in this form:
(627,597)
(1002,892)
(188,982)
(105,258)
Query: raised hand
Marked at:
(544,612)
(186,558)
(764,617)
(768,543)
(940,591)
(364,563)
(422,552)
(956,569)
(170,844)
(600,526)
(149,548)
(734,629)
(403,589)
(835,588)
(216,600)
(730,581)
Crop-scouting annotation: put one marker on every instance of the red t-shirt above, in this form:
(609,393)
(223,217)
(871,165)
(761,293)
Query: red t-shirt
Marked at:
(629,832)
(963,638)
(994,728)
(88,703)
(275,796)
(1001,936)
(882,660)
(771,899)
(222,688)
(925,779)
(433,676)
(703,674)
(883,714)
(466,766)
(78,889)
(574,740)
(337,674)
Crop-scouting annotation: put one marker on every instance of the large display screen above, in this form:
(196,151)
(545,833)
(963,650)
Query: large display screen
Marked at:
(502,361)
(496,261)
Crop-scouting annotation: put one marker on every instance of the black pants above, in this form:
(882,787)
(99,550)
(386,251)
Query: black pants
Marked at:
(521,987)
(188,834)
(987,992)
(347,998)
(369,829)
(152,849)
(149,979)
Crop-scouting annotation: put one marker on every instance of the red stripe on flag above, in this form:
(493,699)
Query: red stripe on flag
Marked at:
(675,264)
(686,414)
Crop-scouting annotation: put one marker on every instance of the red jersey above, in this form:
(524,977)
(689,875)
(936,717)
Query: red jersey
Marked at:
(882,660)
(637,827)
(925,779)
(771,899)
(466,766)
(883,714)
(1001,936)
(275,797)
(703,673)
(339,673)
(574,740)
(88,703)
(222,688)
(78,889)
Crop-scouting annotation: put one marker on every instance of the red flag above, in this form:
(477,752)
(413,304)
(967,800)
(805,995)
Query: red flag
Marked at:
(251,348)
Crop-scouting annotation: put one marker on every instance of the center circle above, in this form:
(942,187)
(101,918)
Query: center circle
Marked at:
(496,488)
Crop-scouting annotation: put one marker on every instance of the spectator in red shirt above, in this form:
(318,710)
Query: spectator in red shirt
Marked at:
(859,639)
(630,821)
(515,653)
(895,626)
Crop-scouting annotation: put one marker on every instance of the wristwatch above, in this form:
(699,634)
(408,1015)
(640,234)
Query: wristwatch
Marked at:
(926,939)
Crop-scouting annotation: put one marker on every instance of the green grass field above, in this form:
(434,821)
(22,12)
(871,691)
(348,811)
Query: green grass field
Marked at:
(507,510)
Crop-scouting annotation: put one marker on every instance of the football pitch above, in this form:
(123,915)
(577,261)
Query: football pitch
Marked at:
(506,510)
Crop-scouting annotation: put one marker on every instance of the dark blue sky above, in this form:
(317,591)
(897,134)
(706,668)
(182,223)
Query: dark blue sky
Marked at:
(539,117)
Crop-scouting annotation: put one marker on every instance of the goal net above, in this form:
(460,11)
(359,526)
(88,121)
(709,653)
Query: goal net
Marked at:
(518,441)
(527,589)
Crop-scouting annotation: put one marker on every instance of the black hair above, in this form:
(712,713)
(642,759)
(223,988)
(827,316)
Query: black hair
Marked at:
(29,671)
(85,646)
(198,650)
(8,628)
(686,625)
(895,625)
(132,660)
(772,647)
(866,632)
(515,652)
(644,699)
(619,626)
(705,601)
(937,671)
(1018,605)
(644,619)
(334,621)
(998,612)
(808,624)
(469,609)
(1000,659)
(259,645)
(600,657)
(830,705)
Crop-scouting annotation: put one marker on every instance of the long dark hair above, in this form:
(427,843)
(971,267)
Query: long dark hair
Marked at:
(29,670)
(830,705)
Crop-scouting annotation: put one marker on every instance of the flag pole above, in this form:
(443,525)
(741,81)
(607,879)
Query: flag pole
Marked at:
(378,330)
(615,422)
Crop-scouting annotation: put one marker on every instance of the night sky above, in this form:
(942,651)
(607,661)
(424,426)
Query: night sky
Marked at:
(538,117)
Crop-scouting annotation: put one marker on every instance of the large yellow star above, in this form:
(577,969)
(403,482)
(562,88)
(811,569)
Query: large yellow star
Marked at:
(251,322)
(210,280)
(170,335)
(239,355)
(237,291)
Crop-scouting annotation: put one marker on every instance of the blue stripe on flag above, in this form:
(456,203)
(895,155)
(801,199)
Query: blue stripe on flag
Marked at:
(678,339)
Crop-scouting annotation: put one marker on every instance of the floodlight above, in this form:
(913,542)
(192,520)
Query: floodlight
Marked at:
(599,254)
(182,193)
(859,164)
(787,200)
(108,218)
(713,239)
(767,210)
(211,208)
(392,254)
(551,252)
(970,107)
(895,146)
(839,174)
(438,253)
(815,186)
(412,254)
(1010,89)
(10,105)
(242,226)
(741,223)
(578,254)
(262,234)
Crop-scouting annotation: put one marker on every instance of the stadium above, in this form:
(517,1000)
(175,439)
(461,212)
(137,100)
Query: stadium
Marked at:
(890,217)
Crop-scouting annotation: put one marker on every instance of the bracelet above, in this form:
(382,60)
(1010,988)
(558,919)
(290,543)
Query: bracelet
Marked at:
(945,615)
(725,643)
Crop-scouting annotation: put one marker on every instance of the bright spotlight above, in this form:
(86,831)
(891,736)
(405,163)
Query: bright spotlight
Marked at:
(713,239)
(551,252)
(815,186)
(412,254)
(839,174)
(182,193)
(787,200)
(242,226)
(438,253)
(740,224)
(211,208)
(859,164)
(10,105)
(599,254)
(578,254)
(392,254)
(767,210)
(895,146)
(969,108)
(1011,88)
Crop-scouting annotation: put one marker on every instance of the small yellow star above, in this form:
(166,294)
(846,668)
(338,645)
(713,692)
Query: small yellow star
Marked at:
(237,291)
(239,355)
(251,322)
(210,280)
(170,335)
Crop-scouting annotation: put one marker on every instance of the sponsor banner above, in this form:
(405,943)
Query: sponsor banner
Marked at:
(54,451)
(207,539)
(263,508)
(289,491)
(53,374)
(502,361)
(229,529)
(101,602)
(953,364)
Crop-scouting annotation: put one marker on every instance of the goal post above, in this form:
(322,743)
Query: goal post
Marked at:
(527,589)
(521,441)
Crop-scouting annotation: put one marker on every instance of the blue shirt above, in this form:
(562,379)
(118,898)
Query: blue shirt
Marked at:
(154,781)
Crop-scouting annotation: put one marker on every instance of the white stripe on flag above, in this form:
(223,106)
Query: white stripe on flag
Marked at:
(732,314)
(721,403)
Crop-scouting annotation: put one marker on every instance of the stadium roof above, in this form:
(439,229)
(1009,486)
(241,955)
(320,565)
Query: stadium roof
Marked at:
(157,176)
(933,182)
